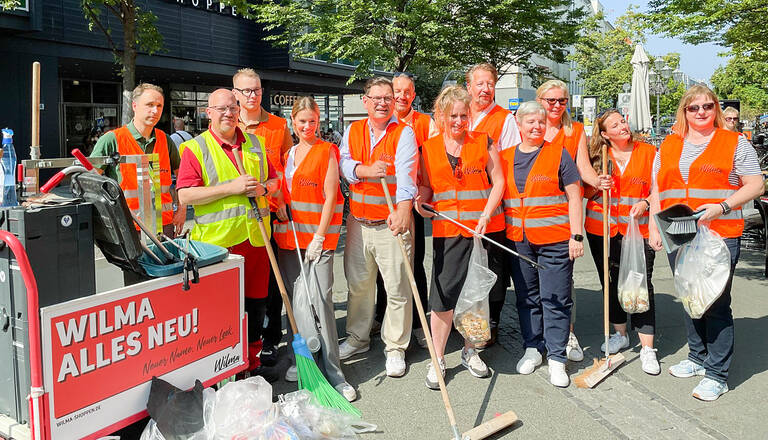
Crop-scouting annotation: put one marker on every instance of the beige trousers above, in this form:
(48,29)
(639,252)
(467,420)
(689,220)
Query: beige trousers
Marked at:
(369,249)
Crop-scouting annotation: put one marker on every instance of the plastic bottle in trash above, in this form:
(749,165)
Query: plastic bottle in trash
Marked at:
(9,170)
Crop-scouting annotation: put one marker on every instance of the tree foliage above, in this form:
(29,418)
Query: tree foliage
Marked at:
(437,34)
(737,24)
(745,80)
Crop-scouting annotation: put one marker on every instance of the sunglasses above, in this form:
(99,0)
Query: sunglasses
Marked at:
(695,108)
(457,172)
(732,119)
(552,101)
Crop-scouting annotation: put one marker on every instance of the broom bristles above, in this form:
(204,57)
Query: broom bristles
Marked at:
(597,372)
(313,380)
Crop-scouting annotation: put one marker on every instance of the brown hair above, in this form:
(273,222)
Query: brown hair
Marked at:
(143,87)
(680,127)
(596,142)
(445,101)
(377,81)
(565,119)
(488,67)
(246,71)
(305,103)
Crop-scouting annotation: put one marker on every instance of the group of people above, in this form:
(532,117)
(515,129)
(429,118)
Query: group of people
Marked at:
(520,179)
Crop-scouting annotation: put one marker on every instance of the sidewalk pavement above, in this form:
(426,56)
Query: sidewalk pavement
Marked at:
(629,404)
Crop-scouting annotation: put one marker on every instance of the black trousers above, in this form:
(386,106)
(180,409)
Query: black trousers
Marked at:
(645,322)
(272,329)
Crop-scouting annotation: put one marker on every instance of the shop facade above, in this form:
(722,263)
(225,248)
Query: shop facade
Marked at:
(204,45)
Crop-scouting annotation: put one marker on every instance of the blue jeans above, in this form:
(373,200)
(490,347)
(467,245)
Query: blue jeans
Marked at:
(711,338)
(544,296)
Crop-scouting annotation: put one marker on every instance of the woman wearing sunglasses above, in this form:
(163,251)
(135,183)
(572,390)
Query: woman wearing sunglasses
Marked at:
(716,171)
(631,166)
(462,178)
(542,209)
(561,130)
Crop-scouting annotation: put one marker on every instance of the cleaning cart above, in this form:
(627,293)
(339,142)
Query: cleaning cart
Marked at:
(81,349)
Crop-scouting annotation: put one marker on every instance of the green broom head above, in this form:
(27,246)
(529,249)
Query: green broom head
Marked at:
(312,379)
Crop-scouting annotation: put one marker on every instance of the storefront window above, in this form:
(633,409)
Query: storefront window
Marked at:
(188,103)
(90,110)
(331,109)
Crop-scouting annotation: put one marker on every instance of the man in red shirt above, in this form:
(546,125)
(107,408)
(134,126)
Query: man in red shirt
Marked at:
(223,136)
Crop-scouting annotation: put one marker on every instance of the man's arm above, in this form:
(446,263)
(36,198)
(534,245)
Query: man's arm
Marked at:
(510,133)
(406,168)
(346,163)
(106,146)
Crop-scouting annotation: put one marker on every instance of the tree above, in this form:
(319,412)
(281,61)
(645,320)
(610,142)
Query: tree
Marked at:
(139,33)
(745,80)
(736,24)
(437,34)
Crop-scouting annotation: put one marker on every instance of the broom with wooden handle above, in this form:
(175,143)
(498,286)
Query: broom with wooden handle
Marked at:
(481,431)
(310,376)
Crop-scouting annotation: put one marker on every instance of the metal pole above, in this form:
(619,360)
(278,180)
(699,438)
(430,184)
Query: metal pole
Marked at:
(658,120)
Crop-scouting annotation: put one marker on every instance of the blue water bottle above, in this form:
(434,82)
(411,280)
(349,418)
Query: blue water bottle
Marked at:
(9,170)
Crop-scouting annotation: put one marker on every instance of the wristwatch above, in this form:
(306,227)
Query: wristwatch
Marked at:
(577,237)
(726,208)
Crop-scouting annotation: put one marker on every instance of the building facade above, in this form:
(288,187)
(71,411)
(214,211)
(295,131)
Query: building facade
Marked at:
(204,41)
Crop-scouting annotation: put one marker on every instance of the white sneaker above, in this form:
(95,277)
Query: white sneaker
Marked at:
(530,360)
(395,364)
(347,350)
(648,361)
(472,362)
(557,375)
(573,350)
(292,374)
(347,390)
(616,342)
(431,380)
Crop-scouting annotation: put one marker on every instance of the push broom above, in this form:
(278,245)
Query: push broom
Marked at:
(603,368)
(483,430)
(310,376)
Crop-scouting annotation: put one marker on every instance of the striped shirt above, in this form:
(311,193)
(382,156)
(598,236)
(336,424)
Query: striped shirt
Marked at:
(745,161)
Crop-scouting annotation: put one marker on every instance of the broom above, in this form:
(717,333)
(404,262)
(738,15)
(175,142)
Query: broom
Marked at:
(310,376)
(603,368)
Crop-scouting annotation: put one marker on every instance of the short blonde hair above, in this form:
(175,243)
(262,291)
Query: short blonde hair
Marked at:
(730,111)
(246,71)
(143,87)
(488,67)
(680,127)
(565,119)
(445,101)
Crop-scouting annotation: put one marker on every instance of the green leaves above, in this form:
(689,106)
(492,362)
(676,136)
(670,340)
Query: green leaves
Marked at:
(8,5)
(746,80)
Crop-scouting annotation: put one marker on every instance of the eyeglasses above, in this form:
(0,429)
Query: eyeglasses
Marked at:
(223,110)
(251,92)
(384,99)
(695,107)
(552,101)
(731,119)
(457,172)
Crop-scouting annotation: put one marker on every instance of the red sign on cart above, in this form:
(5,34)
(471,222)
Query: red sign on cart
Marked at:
(101,352)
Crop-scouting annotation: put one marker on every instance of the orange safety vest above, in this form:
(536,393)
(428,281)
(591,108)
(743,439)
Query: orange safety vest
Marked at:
(541,211)
(570,143)
(461,199)
(127,145)
(366,197)
(273,132)
(707,179)
(493,122)
(631,186)
(306,197)
(420,125)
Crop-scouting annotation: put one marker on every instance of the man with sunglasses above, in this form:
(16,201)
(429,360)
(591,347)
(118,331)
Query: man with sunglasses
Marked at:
(210,180)
(273,132)
(377,148)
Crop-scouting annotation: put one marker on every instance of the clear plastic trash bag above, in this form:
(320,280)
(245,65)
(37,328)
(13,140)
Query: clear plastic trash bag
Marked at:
(702,268)
(633,284)
(242,409)
(472,315)
(305,303)
(312,421)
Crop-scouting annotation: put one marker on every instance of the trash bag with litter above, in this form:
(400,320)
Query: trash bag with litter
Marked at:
(305,299)
(472,314)
(312,421)
(633,285)
(702,268)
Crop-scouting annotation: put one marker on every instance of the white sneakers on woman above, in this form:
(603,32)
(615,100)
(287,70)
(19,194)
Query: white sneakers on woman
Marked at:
(648,361)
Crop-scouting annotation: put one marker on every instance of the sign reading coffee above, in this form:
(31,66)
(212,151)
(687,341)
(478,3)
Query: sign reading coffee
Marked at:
(209,5)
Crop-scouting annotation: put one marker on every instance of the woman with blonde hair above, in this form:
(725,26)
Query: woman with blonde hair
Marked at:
(631,166)
(311,189)
(714,170)
(461,178)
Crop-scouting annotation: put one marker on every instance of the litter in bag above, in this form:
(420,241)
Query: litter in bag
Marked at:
(304,309)
(312,421)
(471,316)
(242,408)
(702,268)
(633,284)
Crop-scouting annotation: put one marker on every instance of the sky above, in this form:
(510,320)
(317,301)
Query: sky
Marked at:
(699,61)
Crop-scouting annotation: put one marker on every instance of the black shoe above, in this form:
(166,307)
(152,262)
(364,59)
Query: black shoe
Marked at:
(269,374)
(269,356)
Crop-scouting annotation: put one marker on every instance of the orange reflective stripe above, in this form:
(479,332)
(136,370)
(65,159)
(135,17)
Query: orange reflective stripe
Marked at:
(366,199)
(461,199)
(493,122)
(541,211)
(707,179)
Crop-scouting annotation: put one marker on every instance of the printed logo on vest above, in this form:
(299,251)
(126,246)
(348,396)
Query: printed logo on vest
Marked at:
(638,181)
(708,168)
(469,169)
(541,178)
(386,157)
(307,182)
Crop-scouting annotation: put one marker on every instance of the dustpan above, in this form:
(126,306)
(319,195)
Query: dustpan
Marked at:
(664,218)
